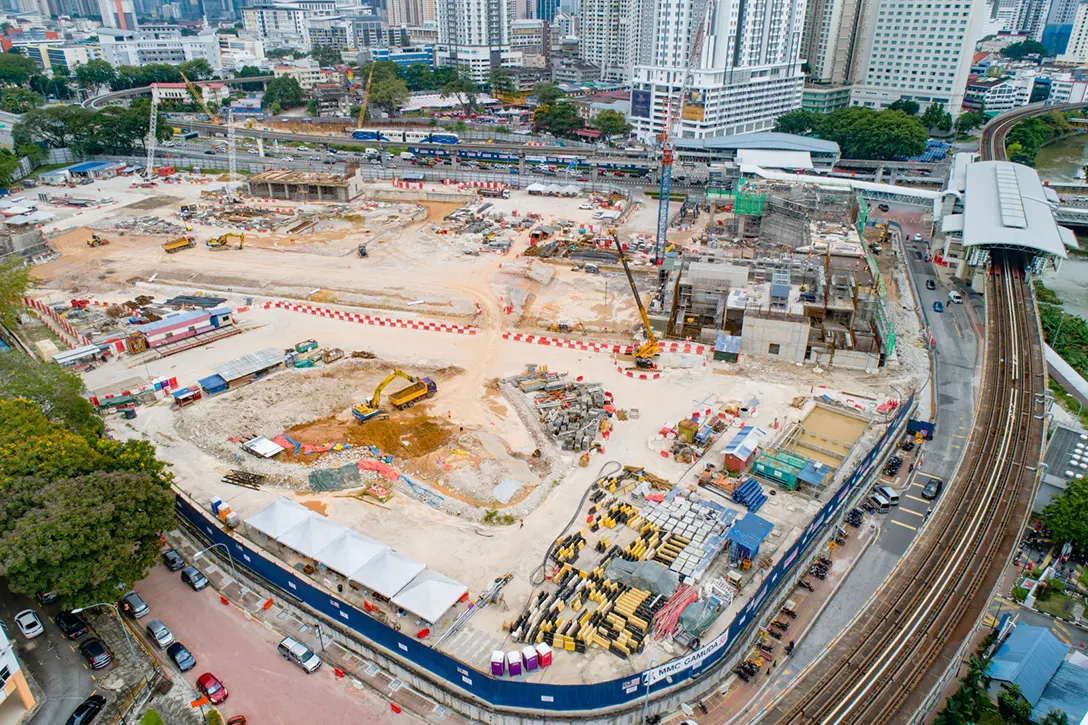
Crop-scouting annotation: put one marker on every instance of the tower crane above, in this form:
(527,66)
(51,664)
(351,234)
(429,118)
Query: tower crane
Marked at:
(152,134)
(673,119)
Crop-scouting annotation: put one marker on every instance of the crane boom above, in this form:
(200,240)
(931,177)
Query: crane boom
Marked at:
(199,98)
(366,94)
(645,354)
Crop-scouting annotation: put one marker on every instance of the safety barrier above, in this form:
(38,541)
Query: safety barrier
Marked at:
(368,320)
(608,347)
(505,694)
(60,326)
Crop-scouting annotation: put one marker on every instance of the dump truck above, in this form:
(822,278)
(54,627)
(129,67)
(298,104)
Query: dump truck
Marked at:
(404,398)
(176,245)
(407,397)
(494,193)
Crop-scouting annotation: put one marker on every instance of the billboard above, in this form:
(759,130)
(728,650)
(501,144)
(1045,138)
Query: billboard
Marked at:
(694,107)
(641,103)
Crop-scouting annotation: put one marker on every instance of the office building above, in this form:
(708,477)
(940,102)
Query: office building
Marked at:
(547,9)
(159,45)
(286,25)
(118,14)
(403,57)
(917,50)
(50,56)
(563,25)
(474,35)
(747,75)
(308,73)
(237,51)
(610,33)
(335,32)
(829,39)
(1059,25)
(210,91)
(531,37)
(825,99)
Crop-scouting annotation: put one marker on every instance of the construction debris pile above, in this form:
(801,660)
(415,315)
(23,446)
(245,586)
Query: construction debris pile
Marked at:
(236,215)
(140,225)
(575,413)
(695,436)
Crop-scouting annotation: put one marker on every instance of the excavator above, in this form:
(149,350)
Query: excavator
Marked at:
(97,240)
(223,242)
(646,353)
(567,326)
(404,398)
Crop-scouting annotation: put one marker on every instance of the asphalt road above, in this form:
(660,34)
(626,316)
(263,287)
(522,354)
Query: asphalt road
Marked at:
(60,671)
(242,654)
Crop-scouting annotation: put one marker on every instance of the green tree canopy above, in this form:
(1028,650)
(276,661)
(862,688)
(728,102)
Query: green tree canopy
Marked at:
(15,70)
(611,123)
(1024,48)
(936,117)
(966,122)
(908,107)
(19,100)
(249,71)
(1012,706)
(285,91)
(461,87)
(58,393)
(500,82)
(861,133)
(546,93)
(284,53)
(419,77)
(1055,717)
(95,74)
(326,55)
(1066,515)
(388,94)
(112,130)
(799,123)
(560,119)
(14,283)
(197,69)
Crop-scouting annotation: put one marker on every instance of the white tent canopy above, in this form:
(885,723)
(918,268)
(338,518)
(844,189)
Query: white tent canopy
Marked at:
(348,554)
(430,595)
(312,535)
(387,573)
(279,517)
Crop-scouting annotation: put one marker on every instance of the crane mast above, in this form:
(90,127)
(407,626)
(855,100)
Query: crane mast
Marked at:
(152,134)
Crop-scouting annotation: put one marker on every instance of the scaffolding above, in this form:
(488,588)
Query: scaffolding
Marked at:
(749,204)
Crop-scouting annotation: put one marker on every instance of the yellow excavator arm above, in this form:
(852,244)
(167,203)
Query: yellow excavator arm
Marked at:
(376,399)
(645,354)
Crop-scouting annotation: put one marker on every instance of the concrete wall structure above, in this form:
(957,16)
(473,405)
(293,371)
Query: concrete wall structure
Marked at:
(775,336)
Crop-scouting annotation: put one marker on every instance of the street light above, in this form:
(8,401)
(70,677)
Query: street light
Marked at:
(124,628)
(646,701)
(229,557)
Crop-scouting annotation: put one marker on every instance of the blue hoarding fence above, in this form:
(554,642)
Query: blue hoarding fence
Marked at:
(511,694)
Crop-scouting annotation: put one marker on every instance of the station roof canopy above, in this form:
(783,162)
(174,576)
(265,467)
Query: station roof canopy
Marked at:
(430,595)
(1005,207)
(774,159)
(387,573)
(279,517)
(764,140)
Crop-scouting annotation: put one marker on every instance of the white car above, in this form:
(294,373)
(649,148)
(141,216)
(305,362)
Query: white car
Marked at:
(585,206)
(29,624)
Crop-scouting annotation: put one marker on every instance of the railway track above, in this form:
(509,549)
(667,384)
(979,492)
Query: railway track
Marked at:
(881,668)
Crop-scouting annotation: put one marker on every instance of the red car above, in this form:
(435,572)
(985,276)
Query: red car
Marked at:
(210,686)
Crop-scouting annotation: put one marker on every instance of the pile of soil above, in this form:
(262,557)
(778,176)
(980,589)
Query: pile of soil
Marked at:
(402,433)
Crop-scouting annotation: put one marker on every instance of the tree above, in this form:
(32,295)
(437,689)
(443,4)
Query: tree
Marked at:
(1012,706)
(1066,515)
(14,282)
(95,74)
(389,94)
(419,77)
(908,107)
(1055,717)
(19,100)
(326,55)
(249,71)
(9,167)
(443,75)
(197,69)
(500,82)
(936,117)
(275,109)
(546,93)
(800,123)
(969,121)
(462,88)
(1016,51)
(560,119)
(611,123)
(15,70)
(283,53)
(58,393)
(285,91)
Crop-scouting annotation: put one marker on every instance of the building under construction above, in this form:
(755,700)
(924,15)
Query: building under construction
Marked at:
(307,185)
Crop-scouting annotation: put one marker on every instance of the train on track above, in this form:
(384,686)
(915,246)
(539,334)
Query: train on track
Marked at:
(556,161)
(402,135)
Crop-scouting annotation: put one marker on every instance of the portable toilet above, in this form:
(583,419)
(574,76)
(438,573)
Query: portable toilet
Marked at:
(528,656)
(513,663)
(543,655)
(498,663)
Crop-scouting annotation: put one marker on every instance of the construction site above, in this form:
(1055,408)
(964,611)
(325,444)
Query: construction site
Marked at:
(387,386)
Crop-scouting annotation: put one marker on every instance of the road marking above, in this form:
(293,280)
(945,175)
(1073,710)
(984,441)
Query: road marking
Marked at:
(1060,636)
(915,498)
(912,511)
(905,526)
(928,475)
(958,435)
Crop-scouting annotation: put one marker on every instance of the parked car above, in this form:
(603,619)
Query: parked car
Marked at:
(194,578)
(181,656)
(159,633)
(938,306)
(237,720)
(932,489)
(71,625)
(294,651)
(87,711)
(930,284)
(210,686)
(134,606)
(28,623)
(173,560)
(97,654)
(209,152)
(47,597)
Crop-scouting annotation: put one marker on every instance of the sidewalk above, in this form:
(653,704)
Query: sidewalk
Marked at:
(285,621)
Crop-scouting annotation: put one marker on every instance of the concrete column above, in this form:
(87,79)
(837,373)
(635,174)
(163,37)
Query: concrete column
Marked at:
(521,163)
(319,192)
(276,145)
(260,146)
(453,159)
(879,173)
(269,185)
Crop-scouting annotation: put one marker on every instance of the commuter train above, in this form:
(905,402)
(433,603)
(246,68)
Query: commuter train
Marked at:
(506,157)
(400,135)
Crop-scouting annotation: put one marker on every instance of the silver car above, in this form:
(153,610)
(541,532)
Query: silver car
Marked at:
(160,634)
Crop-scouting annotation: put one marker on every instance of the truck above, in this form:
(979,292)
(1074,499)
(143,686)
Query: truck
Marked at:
(176,245)
(407,397)
(495,193)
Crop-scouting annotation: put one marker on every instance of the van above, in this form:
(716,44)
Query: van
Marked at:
(881,504)
(406,156)
(294,651)
(955,297)
(889,493)
(371,152)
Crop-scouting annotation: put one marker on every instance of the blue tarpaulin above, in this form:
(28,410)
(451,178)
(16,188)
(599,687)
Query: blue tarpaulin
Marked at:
(213,384)
(747,534)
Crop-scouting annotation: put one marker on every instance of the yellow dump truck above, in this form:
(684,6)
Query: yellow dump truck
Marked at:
(407,397)
(176,245)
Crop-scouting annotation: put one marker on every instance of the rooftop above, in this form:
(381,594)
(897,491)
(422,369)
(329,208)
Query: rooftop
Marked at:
(1006,207)
(769,140)
(281,176)
(1028,658)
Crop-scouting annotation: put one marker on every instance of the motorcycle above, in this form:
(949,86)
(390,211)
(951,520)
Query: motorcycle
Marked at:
(774,633)
(805,585)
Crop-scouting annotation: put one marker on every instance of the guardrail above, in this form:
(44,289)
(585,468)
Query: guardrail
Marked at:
(596,700)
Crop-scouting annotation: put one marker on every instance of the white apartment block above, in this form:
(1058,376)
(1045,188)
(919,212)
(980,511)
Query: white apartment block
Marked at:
(237,52)
(474,35)
(610,32)
(159,45)
(1031,17)
(1076,52)
(1064,89)
(210,92)
(828,41)
(309,74)
(285,25)
(748,74)
(1010,93)
(917,50)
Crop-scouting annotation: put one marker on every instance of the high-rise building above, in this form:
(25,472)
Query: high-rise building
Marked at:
(918,50)
(474,35)
(610,32)
(1076,50)
(546,9)
(1031,18)
(829,40)
(118,14)
(748,73)
(285,25)
(1059,25)
(410,12)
